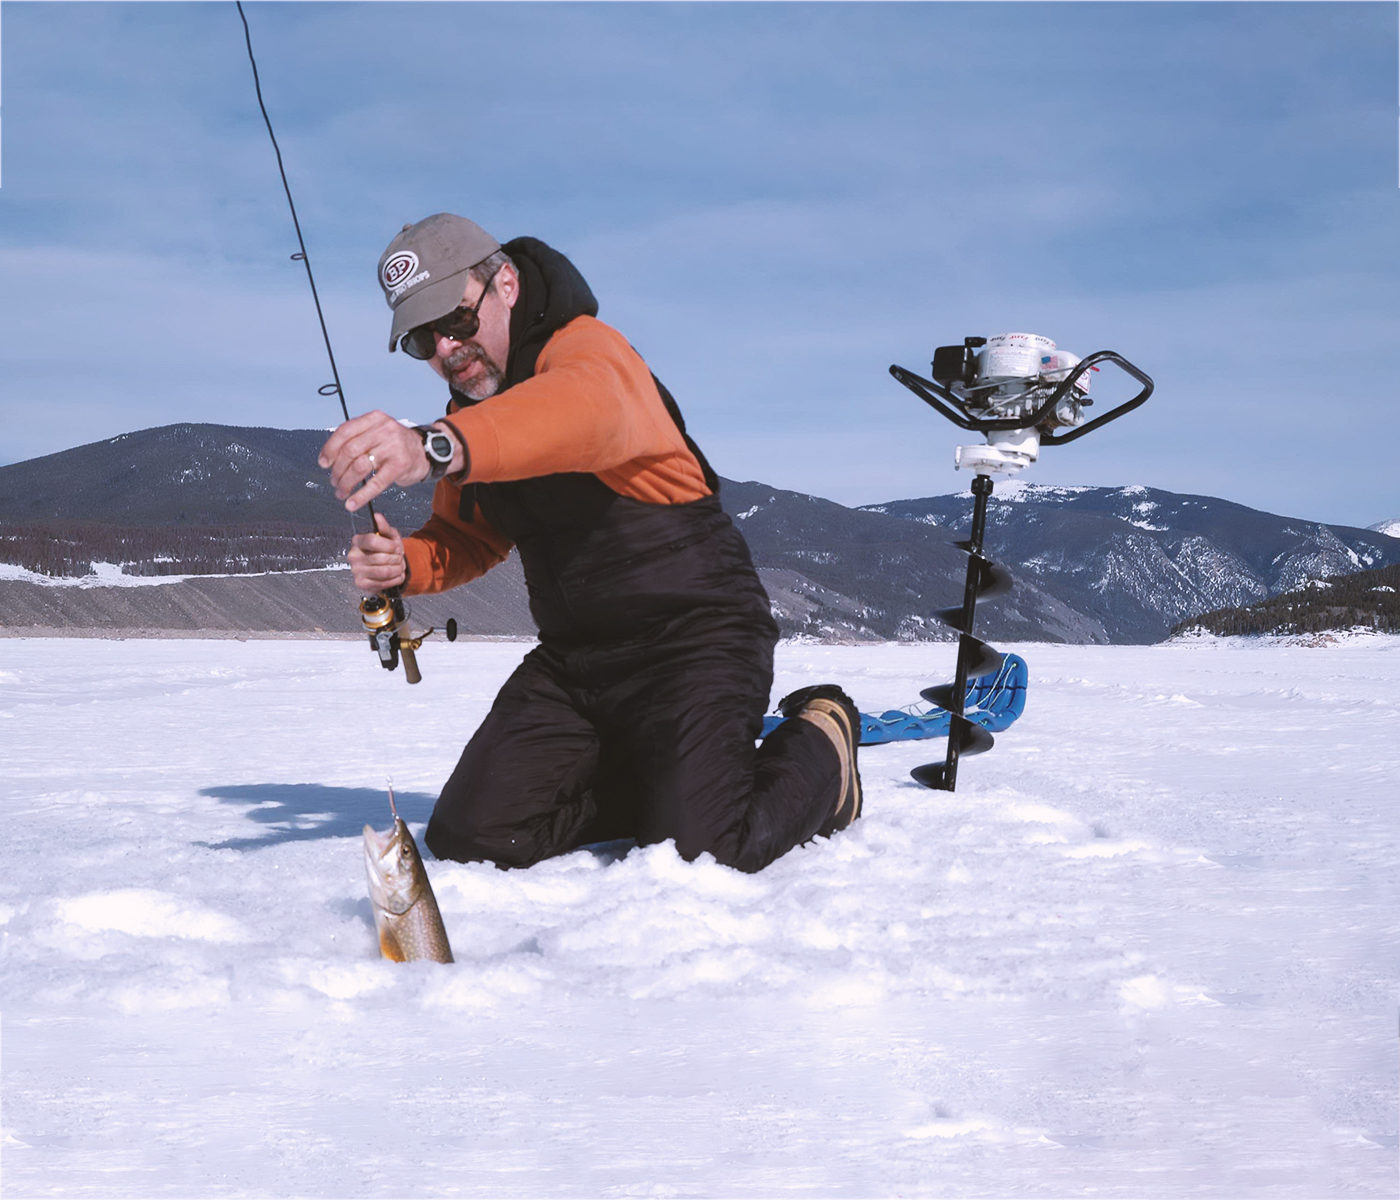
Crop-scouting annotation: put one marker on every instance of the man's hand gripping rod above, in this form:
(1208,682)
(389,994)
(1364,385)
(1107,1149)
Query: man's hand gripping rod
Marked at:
(383,615)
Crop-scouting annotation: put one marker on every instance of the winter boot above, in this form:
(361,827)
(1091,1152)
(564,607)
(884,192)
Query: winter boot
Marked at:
(833,712)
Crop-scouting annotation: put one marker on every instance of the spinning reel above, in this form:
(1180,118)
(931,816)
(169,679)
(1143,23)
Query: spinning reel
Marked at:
(384,618)
(1021,392)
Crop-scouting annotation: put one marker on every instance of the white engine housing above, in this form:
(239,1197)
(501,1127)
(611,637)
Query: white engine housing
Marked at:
(1016,374)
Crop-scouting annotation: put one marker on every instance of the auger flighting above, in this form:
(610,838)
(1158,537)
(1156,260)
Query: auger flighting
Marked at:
(1021,392)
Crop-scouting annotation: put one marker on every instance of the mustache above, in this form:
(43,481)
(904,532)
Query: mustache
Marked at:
(464,356)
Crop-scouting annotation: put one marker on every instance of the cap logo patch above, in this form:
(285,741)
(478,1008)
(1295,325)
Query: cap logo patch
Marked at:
(397,269)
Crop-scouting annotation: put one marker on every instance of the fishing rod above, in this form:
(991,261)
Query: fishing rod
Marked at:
(383,615)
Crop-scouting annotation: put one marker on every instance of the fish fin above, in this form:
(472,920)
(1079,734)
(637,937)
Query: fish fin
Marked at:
(389,946)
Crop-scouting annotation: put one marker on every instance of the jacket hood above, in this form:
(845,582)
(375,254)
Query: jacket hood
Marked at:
(552,293)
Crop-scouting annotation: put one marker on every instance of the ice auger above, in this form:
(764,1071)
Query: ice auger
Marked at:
(1017,389)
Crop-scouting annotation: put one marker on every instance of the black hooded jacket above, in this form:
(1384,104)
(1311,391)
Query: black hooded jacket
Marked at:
(599,565)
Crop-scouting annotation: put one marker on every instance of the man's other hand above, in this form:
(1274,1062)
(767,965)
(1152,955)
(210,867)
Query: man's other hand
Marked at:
(369,454)
(376,559)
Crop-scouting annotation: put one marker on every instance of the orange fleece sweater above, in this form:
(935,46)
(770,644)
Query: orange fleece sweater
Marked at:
(591,406)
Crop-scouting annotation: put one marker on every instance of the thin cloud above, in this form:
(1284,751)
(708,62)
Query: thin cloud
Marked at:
(773,202)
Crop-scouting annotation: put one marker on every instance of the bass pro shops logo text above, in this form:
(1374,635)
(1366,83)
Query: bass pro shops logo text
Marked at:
(400,273)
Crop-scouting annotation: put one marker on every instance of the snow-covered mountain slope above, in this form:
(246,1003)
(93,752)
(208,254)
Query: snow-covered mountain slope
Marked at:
(1148,947)
(1141,559)
(1092,564)
(271,603)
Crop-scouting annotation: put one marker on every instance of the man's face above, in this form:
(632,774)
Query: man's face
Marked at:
(477,366)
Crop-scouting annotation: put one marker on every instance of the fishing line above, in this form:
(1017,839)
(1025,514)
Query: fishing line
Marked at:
(329,389)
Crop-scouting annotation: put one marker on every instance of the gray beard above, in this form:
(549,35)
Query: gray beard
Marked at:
(484,385)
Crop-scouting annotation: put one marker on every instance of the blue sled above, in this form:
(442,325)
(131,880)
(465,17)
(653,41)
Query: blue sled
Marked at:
(993,702)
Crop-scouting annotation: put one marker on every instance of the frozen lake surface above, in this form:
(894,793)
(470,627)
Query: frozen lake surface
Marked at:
(1148,948)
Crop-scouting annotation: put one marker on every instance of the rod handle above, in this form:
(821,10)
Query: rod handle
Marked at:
(410,661)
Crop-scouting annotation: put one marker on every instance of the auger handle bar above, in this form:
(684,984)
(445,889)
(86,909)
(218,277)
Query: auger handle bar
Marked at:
(947,402)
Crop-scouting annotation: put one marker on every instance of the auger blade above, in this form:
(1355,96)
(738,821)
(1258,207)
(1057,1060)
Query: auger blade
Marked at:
(992,580)
(932,775)
(970,739)
(945,695)
(952,617)
(976,659)
(981,658)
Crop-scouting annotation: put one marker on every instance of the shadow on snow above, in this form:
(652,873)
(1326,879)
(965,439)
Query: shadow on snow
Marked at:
(298,812)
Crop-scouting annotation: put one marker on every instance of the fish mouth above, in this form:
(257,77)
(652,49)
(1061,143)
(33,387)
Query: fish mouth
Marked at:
(379,852)
(377,844)
(392,883)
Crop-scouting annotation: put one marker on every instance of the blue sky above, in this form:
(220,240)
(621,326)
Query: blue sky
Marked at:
(773,202)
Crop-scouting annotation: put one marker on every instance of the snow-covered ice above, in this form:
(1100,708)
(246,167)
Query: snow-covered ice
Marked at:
(1148,948)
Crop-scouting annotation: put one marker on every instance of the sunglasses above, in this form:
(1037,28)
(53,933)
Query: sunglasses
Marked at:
(460,324)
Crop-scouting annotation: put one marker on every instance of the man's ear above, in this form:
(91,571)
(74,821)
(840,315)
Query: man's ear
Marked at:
(508,285)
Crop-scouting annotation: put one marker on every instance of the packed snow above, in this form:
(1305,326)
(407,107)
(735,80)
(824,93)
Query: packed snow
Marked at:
(1147,948)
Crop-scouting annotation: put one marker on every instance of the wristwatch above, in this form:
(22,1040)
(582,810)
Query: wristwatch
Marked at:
(437,446)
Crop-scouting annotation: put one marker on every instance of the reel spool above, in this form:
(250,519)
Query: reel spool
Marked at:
(384,617)
(1021,392)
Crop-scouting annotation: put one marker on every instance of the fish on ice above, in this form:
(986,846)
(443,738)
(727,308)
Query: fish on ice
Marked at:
(406,912)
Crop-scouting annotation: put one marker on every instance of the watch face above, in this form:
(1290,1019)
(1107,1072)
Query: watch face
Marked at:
(439,447)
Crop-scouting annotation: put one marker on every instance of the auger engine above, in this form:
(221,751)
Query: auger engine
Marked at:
(1010,377)
(1020,392)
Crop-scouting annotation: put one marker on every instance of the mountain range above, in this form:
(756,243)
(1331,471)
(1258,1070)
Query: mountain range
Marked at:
(1135,557)
(1091,564)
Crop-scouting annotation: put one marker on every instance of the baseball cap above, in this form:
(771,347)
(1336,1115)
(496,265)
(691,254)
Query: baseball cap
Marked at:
(423,271)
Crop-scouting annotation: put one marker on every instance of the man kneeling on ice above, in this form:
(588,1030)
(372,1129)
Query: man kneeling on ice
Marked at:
(636,716)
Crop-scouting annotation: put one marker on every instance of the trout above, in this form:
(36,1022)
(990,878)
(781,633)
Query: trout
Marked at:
(405,910)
